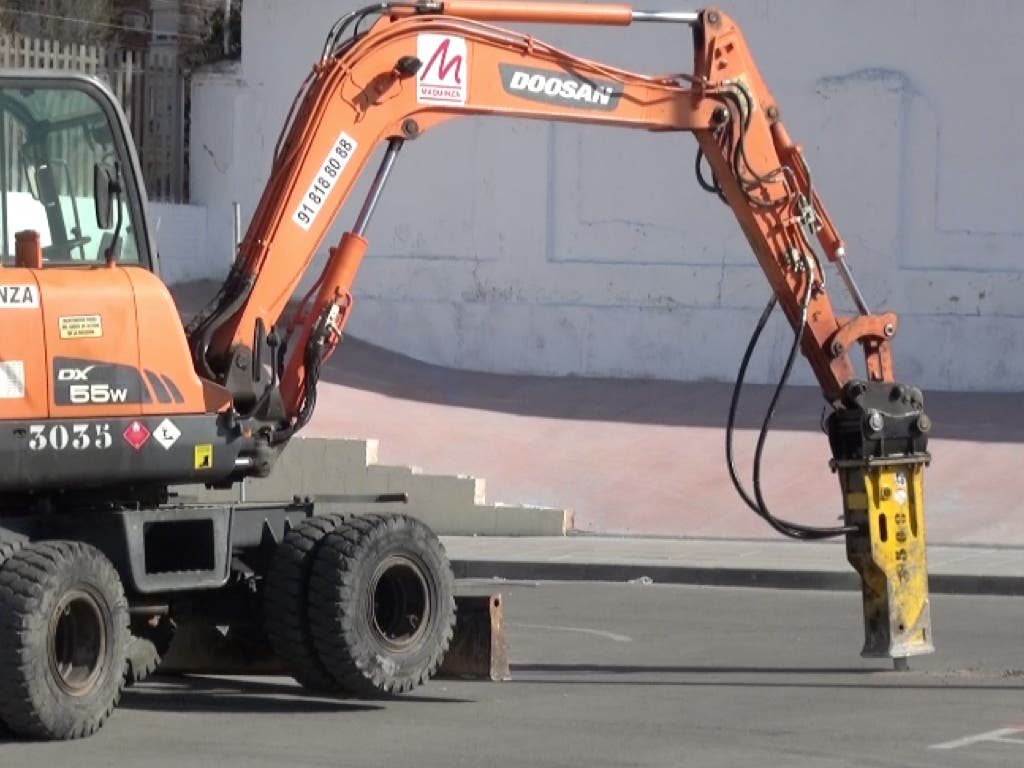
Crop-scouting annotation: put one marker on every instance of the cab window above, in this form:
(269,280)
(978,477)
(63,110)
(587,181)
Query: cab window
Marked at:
(52,139)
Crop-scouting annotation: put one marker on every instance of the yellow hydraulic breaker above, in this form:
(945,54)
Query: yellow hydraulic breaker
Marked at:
(879,438)
(885,503)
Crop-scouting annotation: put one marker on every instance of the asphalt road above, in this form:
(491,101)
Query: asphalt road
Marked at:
(619,675)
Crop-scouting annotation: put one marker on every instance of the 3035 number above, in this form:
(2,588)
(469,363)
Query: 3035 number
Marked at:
(75,437)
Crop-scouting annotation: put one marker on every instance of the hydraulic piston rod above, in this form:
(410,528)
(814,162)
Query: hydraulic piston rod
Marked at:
(851,286)
(377,187)
(551,12)
(671,17)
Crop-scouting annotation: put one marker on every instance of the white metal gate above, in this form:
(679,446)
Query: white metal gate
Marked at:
(150,85)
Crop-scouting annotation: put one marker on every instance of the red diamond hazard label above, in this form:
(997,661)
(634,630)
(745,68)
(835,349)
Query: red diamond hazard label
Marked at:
(136,435)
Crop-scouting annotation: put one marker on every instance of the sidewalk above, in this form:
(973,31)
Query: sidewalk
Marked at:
(975,570)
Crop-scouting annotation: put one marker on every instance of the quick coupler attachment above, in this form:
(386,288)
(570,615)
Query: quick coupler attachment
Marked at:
(879,436)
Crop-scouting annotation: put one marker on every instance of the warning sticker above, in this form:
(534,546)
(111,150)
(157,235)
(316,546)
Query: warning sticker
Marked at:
(80,326)
(204,456)
(136,435)
(167,434)
(12,379)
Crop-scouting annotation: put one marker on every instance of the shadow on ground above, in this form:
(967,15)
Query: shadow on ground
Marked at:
(229,694)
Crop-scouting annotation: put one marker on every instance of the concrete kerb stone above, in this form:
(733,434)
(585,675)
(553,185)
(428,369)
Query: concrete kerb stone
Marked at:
(727,562)
(763,578)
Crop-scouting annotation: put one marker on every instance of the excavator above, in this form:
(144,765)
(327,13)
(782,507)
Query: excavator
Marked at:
(110,403)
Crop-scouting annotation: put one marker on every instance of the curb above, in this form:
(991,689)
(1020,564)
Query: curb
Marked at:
(832,581)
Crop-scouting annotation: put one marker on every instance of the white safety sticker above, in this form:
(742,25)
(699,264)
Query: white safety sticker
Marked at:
(12,379)
(167,434)
(19,297)
(444,78)
(325,180)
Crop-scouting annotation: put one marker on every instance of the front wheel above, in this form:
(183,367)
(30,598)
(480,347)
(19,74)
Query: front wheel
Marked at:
(63,638)
(381,604)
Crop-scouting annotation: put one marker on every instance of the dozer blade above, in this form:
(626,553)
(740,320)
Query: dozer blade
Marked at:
(478,649)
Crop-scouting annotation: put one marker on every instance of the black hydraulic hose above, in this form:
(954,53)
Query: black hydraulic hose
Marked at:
(737,388)
(758,504)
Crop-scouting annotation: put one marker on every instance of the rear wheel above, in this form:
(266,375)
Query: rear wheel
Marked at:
(63,637)
(284,603)
(7,548)
(381,604)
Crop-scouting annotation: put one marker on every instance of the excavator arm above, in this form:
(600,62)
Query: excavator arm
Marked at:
(420,64)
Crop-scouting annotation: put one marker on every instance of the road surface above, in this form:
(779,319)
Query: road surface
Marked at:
(619,675)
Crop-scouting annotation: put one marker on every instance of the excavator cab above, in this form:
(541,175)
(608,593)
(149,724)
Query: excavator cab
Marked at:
(63,150)
(95,360)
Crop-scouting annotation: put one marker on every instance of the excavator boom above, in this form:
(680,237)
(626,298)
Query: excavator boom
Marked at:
(418,68)
(420,64)
(108,403)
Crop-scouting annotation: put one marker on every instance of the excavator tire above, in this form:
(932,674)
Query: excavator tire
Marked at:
(148,645)
(284,603)
(7,548)
(381,604)
(63,636)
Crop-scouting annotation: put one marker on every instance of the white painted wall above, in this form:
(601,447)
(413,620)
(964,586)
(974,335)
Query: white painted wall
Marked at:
(520,246)
(182,240)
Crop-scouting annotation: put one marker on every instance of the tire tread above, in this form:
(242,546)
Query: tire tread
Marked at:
(334,590)
(284,603)
(27,578)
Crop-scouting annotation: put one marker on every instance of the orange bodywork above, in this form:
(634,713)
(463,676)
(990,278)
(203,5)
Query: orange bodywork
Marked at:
(368,93)
(107,315)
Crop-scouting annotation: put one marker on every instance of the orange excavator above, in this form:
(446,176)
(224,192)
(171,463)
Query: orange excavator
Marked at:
(107,403)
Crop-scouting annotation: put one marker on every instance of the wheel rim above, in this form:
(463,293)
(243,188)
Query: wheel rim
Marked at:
(400,602)
(78,642)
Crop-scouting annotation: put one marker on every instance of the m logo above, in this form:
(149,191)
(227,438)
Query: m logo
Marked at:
(444,78)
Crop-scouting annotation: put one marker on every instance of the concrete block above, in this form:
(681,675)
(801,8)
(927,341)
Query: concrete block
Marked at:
(510,520)
(385,479)
(311,466)
(449,504)
(456,492)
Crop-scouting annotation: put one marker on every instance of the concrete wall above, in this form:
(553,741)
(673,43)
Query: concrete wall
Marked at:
(518,246)
(183,242)
(180,232)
